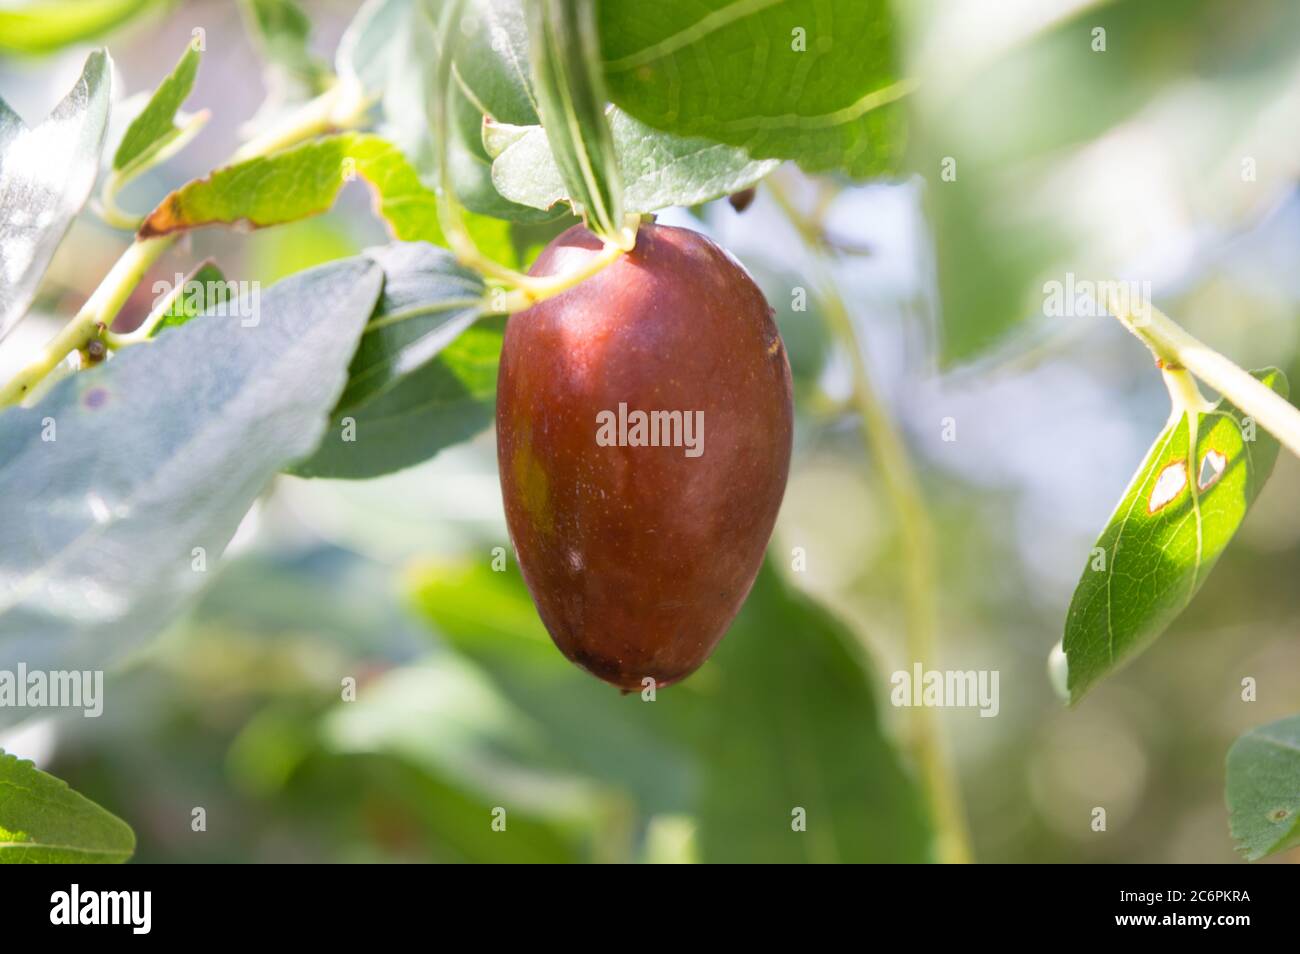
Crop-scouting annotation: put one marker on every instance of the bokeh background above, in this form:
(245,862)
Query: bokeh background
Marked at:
(1126,162)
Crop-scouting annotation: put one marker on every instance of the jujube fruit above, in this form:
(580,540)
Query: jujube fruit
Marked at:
(639,556)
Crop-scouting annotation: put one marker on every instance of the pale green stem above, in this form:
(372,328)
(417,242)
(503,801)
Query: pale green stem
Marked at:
(94,317)
(938,776)
(337,107)
(1177,349)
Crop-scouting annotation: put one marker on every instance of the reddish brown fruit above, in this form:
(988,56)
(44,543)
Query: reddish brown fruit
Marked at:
(639,557)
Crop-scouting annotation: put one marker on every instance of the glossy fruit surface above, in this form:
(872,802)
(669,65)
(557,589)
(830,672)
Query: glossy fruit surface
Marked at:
(638,557)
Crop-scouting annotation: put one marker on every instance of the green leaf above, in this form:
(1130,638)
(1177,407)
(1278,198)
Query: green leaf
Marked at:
(155,128)
(1170,527)
(735,73)
(46,174)
(204,290)
(42,821)
(424,375)
(795,723)
(472,170)
(1263,788)
(46,25)
(492,62)
(657,169)
(428,300)
(121,472)
(571,101)
(303,181)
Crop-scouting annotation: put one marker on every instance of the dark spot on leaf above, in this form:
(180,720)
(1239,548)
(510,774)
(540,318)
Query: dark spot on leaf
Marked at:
(1279,814)
(95,398)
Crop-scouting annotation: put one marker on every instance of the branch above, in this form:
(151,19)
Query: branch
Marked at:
(917,542)
(1174,347)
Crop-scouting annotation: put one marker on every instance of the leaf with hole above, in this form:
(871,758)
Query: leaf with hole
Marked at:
(1179,512)
(42,821)
(110,515)
(1263,788)
(46,173)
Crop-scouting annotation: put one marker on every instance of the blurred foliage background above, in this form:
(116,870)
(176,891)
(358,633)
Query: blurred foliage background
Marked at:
(1124,162)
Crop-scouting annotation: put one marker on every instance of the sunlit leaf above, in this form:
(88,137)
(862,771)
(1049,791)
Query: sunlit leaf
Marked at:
(1264,788)
(803,80)
(1171,525)
(155,127)
(45,175)
(303,181)
(42,821)
(41,26)
(306,180)
(129,479)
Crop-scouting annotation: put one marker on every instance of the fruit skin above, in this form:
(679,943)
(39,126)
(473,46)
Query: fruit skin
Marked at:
(638,558)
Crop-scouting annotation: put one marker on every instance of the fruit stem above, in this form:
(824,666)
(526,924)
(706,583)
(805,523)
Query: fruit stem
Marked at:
(1176,349)
(952,843)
